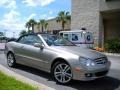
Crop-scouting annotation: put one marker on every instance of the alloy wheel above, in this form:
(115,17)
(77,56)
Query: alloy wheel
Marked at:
(10,60)
(62,73)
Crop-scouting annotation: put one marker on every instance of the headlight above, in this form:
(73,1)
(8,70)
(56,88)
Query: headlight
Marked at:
(86,62)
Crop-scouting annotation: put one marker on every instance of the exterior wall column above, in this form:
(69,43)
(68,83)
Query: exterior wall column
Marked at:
(101,32)
(85,13)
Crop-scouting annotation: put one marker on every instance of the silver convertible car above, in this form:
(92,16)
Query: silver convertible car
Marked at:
(58,56)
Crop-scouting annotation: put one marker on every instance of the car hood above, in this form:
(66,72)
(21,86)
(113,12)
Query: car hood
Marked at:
(83,52)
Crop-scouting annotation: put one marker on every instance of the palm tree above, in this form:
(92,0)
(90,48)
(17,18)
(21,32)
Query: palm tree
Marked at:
(31,23)
(29,31)
(23,32)
(38,26)
(63,17)
(46,25)
(43,24)
(27,25)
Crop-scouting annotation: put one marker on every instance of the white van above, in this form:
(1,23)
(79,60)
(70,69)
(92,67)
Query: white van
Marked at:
(81,38)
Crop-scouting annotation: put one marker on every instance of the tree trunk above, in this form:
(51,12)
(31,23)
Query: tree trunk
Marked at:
(28,29)
(32,28)
(63,26)
(42,28)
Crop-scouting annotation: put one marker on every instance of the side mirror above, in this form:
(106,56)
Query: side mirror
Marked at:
(38,45)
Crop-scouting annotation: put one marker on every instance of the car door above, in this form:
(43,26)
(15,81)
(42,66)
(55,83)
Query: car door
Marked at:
(31,53)
(18,50)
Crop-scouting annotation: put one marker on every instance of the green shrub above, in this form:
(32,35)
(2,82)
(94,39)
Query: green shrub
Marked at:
(112,46)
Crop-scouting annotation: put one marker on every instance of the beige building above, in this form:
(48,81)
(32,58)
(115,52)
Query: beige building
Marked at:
(101,17)
(53,26)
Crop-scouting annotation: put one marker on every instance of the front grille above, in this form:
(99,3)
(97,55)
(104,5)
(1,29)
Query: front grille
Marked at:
(101,61)
(103,73)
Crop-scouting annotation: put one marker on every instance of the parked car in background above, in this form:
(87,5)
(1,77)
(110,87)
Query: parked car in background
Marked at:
(58,56)
(2,37)
(11,39)
(81,38)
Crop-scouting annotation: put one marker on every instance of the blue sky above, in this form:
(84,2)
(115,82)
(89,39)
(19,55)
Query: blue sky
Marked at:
(15,13)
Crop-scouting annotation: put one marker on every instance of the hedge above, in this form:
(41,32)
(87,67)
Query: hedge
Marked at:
(112,46)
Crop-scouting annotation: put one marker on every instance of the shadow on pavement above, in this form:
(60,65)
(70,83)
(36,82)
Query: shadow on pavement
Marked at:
(106,83)
(34,71)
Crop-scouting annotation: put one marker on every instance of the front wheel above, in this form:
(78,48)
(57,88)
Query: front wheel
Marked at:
(11,60)
(62,73)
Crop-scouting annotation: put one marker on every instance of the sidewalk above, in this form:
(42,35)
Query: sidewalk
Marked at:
(24,79)
(111,54)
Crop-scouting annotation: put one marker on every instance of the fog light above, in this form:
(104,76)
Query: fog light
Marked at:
(88,74)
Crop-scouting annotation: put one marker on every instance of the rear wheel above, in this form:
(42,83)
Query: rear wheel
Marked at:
(11,60)
(62,72)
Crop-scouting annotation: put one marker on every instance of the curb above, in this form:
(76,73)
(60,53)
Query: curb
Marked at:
(2,49)
(111,54)
(24,79)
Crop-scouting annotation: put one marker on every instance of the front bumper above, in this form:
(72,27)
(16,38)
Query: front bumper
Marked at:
(91,74)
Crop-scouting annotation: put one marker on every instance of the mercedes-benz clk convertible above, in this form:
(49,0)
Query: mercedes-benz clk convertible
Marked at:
(58,56)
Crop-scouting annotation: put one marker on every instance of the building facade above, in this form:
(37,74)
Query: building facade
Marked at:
(53,26)
(101,17)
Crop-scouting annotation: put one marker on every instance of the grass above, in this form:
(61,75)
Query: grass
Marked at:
(9,83)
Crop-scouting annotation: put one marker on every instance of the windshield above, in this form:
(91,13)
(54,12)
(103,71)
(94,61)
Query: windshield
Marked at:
(53,40)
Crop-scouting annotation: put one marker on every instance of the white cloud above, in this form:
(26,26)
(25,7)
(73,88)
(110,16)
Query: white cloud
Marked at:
(31,16)
(47,16)
(50,17)
(12,5)
(11,15)
(8,4)
(50,12)
(37,2)
(12,22)
(43,16)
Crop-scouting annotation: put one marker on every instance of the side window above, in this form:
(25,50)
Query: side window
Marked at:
(22,39)
(30,40)
(49,39)
(74,37)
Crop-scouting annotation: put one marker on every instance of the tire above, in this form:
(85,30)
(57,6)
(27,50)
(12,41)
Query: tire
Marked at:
(62,72)
(11,60)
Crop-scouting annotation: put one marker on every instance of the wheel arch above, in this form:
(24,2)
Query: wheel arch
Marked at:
(58,60)
(9,52)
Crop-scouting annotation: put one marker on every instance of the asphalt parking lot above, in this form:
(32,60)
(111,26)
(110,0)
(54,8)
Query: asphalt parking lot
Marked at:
(111,82)
(2,46)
